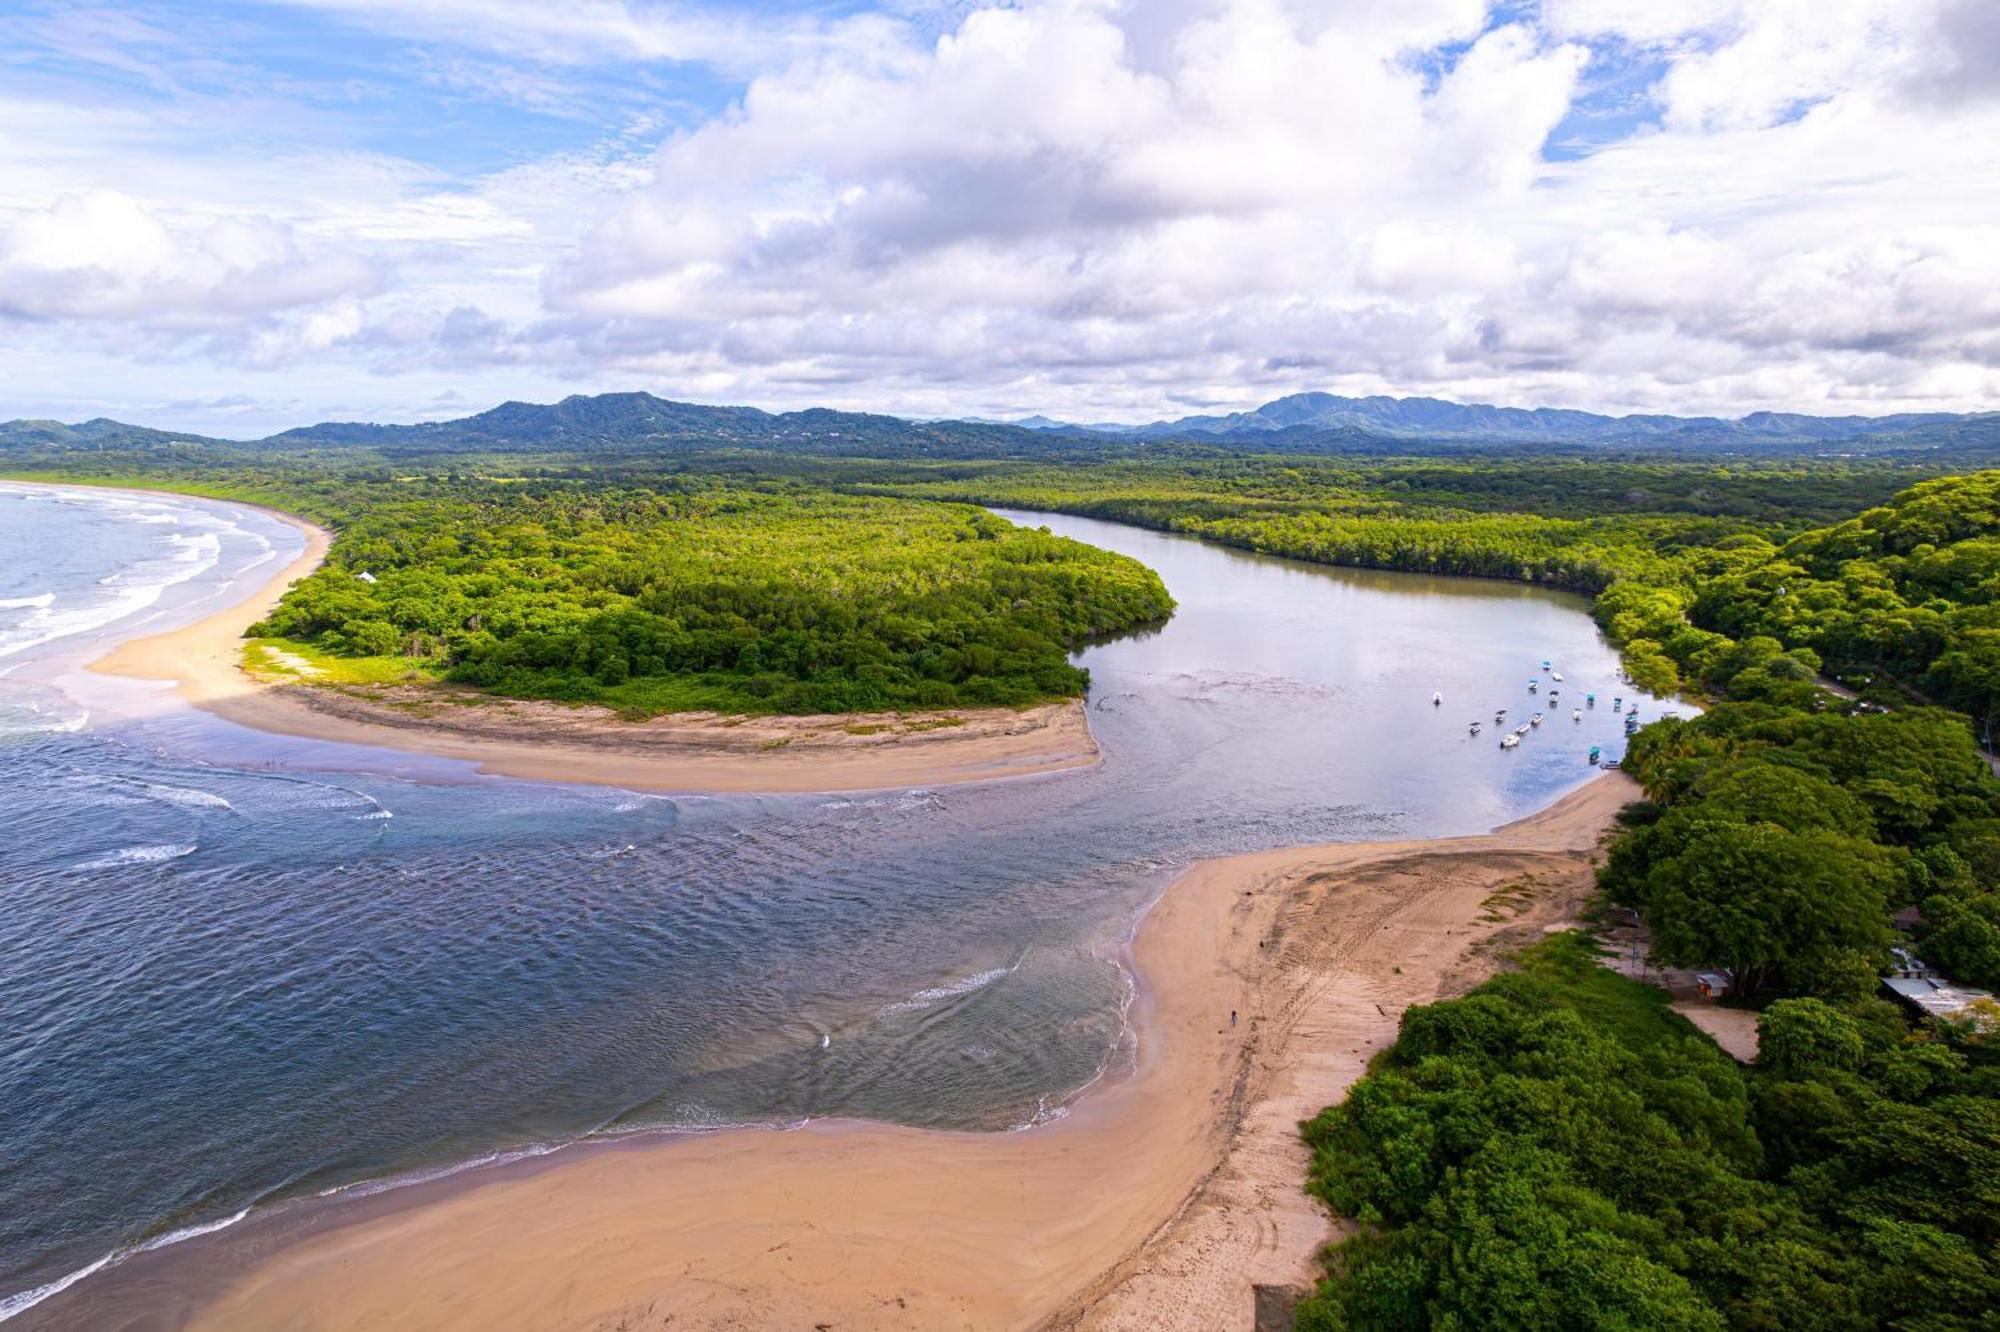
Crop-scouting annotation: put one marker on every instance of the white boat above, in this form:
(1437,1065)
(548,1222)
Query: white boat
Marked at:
(1509,741)
(1522,729)
(1576,714)
(1557,676)
(1436,699)
(1475,728)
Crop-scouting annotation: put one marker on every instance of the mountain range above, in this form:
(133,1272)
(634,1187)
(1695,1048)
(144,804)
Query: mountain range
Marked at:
(636,424)
(1438,419)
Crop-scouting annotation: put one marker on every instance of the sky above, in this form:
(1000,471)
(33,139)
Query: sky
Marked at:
(239,217)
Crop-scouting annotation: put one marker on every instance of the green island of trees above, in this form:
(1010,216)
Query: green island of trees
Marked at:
(706,595)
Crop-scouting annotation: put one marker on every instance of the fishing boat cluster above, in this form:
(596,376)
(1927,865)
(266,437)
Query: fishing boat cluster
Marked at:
(1510,739)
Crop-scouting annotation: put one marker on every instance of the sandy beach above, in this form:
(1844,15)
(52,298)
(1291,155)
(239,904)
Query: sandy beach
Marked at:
(1165,1200)
(551,742)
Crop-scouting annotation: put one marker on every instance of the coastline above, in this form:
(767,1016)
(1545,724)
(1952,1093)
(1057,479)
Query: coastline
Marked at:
(554,743)
(1163,1200)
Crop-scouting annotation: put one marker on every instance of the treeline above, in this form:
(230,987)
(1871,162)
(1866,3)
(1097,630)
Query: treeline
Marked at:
(1766,496)
(1778,841)
(1558,1149)
(1909,592)
(695,593)
(1580,525)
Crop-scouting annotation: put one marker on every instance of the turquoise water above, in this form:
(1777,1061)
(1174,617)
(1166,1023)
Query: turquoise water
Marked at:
(238,970)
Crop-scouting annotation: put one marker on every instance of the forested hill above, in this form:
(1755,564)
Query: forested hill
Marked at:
(608,426)
(631,425)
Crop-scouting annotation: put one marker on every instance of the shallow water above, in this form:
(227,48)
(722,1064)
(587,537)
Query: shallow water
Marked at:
(237,968)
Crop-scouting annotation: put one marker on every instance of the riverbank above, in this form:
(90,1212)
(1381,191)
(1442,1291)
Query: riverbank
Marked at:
(556,743)
(1159,1202)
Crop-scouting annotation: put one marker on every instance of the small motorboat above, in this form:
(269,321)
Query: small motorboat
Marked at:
(1499,714)
(1522,729)
(1590,700)
(1545,665)
(1596,752)
(1475,728)
(1535,720)
(1509,741)
(1436,699)
(1633,710)
(1557,676)
(1576,714)
(1618,701)
(1533,686)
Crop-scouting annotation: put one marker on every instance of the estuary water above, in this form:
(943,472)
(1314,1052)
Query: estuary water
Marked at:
(238,971)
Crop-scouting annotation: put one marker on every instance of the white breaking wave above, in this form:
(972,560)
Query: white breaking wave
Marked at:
(124,593)
(14,1305)
(36,602)
(937,994)
(185,796)
(140,855)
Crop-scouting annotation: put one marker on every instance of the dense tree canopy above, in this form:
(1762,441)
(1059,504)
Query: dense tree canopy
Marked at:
(1558,1150)
(702,594)
(1908,592)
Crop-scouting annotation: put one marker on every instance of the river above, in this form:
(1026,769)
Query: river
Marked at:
(239,970)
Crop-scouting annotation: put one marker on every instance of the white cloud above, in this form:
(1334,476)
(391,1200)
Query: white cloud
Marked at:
(103,255)
(1214,200)
(1099,208)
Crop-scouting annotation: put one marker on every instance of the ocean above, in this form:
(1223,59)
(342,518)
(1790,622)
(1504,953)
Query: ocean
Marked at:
(240,971)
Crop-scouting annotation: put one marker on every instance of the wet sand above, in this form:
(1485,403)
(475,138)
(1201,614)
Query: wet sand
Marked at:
(1160,1202)
(551,742)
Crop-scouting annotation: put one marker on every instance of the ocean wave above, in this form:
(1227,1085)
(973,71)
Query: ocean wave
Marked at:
(140,855)
(368,1187)
(12,1306)
(937,994)
(36,602)
(27,717)
(186,797)
(124,593)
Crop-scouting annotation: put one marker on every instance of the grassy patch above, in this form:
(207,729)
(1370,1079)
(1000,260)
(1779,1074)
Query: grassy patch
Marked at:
(285,659)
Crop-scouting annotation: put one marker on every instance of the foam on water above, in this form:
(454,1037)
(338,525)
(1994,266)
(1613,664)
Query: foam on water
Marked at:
(140,855)
(186,797)
(13,1306)
(117,595)
(937,994)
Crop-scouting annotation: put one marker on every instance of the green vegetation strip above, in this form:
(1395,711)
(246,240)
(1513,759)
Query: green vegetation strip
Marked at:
(1559,1150)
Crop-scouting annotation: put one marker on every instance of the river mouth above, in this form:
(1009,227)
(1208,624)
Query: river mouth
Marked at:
(227,983)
